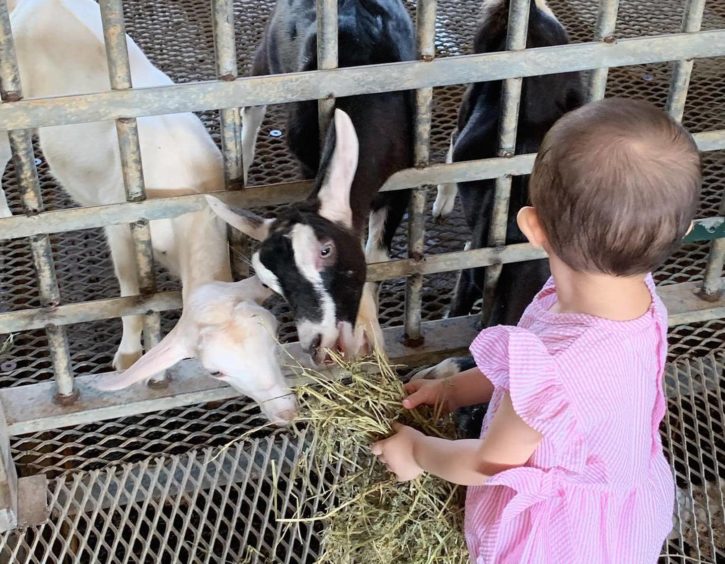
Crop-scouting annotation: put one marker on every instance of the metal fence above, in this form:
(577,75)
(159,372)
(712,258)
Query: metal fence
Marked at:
(69,400)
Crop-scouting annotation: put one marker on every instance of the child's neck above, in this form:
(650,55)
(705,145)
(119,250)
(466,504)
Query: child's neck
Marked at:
(602,295)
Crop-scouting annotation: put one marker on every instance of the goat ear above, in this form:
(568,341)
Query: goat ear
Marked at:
(245,221)
(334,193)
(168,352)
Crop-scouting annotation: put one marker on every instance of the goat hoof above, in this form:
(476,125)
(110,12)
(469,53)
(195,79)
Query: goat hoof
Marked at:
(124,360)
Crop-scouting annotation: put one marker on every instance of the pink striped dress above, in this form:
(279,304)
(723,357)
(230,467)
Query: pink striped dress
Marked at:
(598,488)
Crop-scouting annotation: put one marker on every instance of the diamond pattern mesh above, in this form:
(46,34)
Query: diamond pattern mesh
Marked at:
(220,500)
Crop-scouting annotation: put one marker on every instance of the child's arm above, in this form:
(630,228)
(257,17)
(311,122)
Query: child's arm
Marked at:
(470,387)
(509,442)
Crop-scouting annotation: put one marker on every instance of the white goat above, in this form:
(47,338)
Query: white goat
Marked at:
(233,337)
(61,51)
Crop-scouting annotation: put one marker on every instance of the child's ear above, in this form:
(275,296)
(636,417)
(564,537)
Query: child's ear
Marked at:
(530,225)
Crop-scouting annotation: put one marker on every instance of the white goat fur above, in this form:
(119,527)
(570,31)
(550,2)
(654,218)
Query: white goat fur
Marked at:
(224,326)
(61,52)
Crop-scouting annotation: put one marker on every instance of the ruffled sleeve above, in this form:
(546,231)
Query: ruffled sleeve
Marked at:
(516,360)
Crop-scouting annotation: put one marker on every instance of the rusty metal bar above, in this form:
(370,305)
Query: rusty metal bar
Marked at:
(27,410)
(326,57)
(22,149)
(313,85)
(425,27)
(518,23)
(682,70)
(275,194)
(119,72)
(231,124)
(29,319)
(606,22)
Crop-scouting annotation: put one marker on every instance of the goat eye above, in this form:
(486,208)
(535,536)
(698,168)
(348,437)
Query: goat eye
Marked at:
(215,374)
(265,286)
(326,250)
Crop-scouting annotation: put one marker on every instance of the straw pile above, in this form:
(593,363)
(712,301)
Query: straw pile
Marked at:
(369,516)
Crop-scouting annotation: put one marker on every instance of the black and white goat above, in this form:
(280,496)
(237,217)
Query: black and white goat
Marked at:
(60,52)
(312,254)
(544,99)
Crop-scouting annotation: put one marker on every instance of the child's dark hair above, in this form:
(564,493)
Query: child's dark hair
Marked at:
(616,184)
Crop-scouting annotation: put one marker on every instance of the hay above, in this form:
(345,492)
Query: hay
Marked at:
(369,516)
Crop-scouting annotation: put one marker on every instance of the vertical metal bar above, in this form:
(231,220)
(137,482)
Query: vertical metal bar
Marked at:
(606,22)
(326,56)
(712,287)
(119,71)
(682,70)
(425,26)
(22,149)
(231,123)
(681,73)
(518,23)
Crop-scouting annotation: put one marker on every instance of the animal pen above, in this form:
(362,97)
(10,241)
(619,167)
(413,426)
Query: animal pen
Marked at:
(142,474)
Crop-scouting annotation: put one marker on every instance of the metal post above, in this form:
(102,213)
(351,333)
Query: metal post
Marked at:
(22,148)
(231,123)
(518,23)
(681,73)
(119,70)
(712,288)
(326,56)
(606,22)
(682,70)
(425,25)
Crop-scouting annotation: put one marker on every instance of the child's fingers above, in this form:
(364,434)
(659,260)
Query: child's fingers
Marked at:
(417,398)
(413,386)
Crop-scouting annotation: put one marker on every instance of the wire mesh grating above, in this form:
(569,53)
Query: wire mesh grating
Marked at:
(222,503)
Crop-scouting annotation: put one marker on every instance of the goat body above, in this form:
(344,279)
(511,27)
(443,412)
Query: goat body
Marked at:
(329,225)
(544,99)
(61,52)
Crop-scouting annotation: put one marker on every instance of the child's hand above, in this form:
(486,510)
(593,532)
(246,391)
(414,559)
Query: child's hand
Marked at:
(428,392)
(396,452)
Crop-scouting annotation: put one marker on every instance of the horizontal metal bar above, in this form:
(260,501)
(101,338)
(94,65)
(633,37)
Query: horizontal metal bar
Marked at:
(275,194)
(83,312)
(494,167)
(312,85)
(155,208)
(457,260)
(685,306)
(29,409)
(30,319)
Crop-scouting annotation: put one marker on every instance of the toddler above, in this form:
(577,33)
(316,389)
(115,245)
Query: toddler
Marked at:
(569,467)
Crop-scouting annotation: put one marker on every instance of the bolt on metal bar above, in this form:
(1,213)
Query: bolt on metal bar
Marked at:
(518,24)
(231,124)
(22,150)
(326,57)
(425,26)
(349,81)
(119,71)
(606,22)
(682,70)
